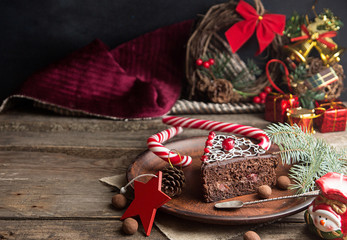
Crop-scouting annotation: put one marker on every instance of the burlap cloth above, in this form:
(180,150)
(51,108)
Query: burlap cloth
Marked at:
(178,229)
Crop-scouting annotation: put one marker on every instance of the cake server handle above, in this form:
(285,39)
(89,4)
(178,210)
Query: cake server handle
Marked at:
(238,204)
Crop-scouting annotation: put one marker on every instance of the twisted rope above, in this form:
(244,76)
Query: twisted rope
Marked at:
(195,107)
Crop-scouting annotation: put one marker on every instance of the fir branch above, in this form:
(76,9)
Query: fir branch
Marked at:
(253,67)
(290,156)
(237,80)
(303,177)
(245,94)
(311,157)
(251,70)
(225,59)
(331,22)
(307,99)
(299,73)
(293,24)
(288,135)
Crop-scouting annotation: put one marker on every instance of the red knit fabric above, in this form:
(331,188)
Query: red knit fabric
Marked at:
(139,79)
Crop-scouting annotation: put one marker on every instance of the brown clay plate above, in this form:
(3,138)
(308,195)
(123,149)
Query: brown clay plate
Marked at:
(189,204)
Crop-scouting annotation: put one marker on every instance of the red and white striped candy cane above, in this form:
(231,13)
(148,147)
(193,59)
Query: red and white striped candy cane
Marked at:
(246,131)
(154,144)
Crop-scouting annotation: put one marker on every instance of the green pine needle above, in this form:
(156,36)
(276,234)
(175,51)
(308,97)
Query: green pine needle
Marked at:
(253,67)
(310,157)
(299,73)
(293,25)
(224,69)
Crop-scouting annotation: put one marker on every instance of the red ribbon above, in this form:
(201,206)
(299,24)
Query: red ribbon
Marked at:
(286,72)
(320,37)
(266,27)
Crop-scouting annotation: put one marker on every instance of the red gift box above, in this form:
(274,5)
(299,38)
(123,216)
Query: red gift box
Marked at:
(276,106)
(333,117)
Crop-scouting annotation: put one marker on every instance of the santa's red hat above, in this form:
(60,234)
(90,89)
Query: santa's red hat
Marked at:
(327,208)
(333,186)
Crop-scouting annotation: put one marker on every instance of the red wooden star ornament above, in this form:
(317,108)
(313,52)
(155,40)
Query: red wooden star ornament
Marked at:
(148,198)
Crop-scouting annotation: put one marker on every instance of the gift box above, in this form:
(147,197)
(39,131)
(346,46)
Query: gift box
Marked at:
(333,117)
(302,117)
(322,79)
(276,106)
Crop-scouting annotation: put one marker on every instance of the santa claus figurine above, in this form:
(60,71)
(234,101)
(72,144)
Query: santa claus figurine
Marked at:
(327,214)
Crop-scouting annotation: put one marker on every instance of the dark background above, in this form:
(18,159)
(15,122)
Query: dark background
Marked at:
(37,32)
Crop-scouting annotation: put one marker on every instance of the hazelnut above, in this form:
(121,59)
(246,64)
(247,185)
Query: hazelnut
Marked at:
(250,235)
(264,191)
(283,182)
(119,201)
(130,226)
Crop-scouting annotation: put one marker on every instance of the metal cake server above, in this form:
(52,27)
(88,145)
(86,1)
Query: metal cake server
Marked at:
(239,204)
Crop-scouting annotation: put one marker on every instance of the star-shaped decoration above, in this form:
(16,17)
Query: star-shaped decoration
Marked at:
(148,198)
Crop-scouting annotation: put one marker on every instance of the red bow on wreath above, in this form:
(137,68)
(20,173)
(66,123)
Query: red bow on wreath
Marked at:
(266,27)
(317,37)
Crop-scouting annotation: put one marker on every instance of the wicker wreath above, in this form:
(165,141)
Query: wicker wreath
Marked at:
(207,38)
(333,90)
(315,65)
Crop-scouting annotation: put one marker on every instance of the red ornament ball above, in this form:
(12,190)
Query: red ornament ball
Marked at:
(228,144)
(130,226)
(257,99)
(199,62)
(267,89)
(262,95)
(206,65)
(206,150)
(211,61)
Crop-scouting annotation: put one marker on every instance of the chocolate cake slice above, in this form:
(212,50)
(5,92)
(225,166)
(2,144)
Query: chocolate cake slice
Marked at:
(235,166)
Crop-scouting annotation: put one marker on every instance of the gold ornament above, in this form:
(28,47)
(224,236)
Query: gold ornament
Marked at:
(322,42)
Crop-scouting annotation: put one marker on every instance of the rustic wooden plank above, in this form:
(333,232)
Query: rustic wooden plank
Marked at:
(106,145)
(100,138)
(50,166)
(34,120)
(43,122)
(296,218)
(111,229)
(91,132)
(177,229)
(285,231)
(69,230)
(88,137)
(336,139)
(83,140)
(48,184)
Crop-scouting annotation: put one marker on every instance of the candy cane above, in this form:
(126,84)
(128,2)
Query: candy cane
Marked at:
(154,144)
(246,131)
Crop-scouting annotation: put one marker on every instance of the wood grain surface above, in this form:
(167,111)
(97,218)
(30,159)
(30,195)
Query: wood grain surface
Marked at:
(50,166)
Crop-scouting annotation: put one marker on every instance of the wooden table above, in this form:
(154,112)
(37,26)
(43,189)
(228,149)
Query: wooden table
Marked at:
(50,167)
